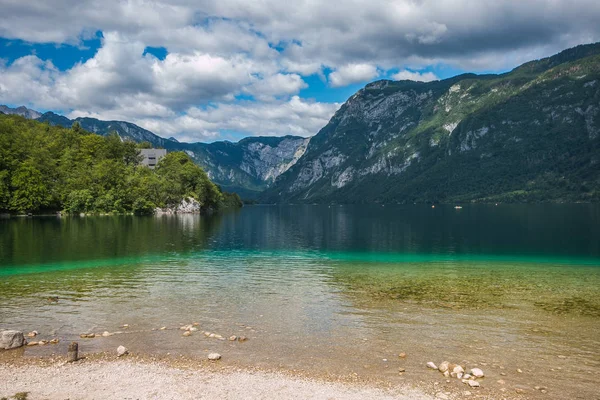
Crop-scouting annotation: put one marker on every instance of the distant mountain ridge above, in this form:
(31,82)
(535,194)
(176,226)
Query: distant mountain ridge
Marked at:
(22,111)
(532,134)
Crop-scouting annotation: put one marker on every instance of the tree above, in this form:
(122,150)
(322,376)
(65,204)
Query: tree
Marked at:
(29,190)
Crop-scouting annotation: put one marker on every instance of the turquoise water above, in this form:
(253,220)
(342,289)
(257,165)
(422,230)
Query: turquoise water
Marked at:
(332,290)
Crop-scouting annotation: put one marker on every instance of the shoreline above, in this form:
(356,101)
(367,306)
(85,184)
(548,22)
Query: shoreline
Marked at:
(104,375)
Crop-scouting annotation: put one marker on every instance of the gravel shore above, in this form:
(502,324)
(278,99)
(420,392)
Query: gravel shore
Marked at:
(128,379)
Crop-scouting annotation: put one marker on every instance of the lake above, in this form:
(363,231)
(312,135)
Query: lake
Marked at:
(328,290)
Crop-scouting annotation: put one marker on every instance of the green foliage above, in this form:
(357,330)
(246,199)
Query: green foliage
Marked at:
(29,191)
(44,167)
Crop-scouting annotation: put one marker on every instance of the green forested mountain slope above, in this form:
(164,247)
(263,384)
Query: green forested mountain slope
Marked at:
(529,135)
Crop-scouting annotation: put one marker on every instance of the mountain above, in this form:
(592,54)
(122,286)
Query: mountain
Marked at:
(247,167)
(532,134)
(126,130)
(22,111)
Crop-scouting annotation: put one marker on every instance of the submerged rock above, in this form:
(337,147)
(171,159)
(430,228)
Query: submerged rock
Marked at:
(233,338)
(187,333)
(32,334)
(11,340)
(121,351)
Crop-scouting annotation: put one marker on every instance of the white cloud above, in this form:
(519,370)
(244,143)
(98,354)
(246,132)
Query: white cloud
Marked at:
(414,76)
(291,117)
(219,50)
(352,73)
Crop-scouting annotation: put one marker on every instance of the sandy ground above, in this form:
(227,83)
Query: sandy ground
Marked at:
(129,379)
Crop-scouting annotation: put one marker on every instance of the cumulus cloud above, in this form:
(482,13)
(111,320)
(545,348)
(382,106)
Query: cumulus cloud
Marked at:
(414,76)
(352,73)
(222,51)
(290,117)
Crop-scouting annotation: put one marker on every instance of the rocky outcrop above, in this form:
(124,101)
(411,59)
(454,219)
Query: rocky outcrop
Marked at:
(186,206)
(11,339)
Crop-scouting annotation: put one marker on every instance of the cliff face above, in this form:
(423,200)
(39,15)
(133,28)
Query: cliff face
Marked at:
(528,135)
(249,166)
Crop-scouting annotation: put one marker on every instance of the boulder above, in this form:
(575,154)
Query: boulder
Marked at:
(11,339)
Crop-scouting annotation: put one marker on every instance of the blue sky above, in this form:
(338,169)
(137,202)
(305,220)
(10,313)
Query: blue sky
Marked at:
(231,68)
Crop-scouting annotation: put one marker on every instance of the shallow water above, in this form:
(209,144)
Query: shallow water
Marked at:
(332,290)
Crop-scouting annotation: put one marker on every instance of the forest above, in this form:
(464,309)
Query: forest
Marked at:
(47,168)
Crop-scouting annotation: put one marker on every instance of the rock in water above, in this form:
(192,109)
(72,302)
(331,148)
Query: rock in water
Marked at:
(444,366)
(11,340)
(122,350)
(431,365)
(477,373)
(214,356)
(457,370)
(187,333)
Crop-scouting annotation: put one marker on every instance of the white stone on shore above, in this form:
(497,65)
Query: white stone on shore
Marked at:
(11,339)
(444,366)
(106,334)
(121,351)
(32,334)
(214,356)
(233,338)
(476,372)
(431,365)
(473,383)
(467,376)
(187,333)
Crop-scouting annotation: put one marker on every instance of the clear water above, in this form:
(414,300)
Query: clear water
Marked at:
(327,290)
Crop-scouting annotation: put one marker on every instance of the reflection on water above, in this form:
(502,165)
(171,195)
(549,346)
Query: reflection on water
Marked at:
(336,290)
